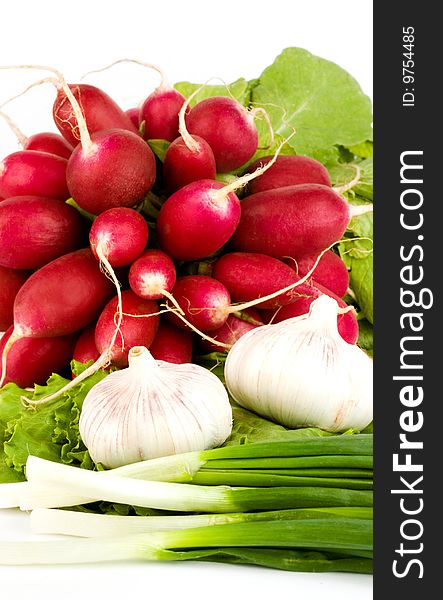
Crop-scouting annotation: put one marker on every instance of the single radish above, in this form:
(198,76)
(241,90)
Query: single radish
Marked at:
(229,129)
(249,275)
(235,326)
(109,169)
(49,142)
(152,276)
(85,348)
(288,170)
(138,327)
(28,172)
(198,219)
(119,235)
(204,301)
(346,322)
(60,298)
(10,283)
(291,221)
(134,115)
(188,158)
(36,230)
(331,271)
(33,360)
(159,113)
(98,109)
(172,344)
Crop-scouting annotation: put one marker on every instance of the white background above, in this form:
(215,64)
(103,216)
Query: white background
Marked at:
(191,40)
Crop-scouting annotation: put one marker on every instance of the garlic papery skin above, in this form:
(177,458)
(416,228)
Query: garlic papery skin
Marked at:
(301,373)
(153,409)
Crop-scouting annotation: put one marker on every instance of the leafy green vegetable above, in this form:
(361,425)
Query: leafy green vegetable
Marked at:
(343,173)
(317,99)
(159,148)
(365,338)
(240,90)
(357,255)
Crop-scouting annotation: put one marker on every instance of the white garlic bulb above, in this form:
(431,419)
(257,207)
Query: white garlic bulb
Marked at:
(301,373)
(153,409)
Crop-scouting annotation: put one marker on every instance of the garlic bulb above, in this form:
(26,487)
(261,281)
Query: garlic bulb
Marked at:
(153,409)
(301,373)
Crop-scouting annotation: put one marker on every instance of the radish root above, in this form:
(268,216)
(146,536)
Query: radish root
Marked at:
(164,84)
(22,139)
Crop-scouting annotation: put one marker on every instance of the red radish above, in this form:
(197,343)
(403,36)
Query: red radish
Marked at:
(119,234)
(229,129)
(288,170)
(60,298)
(36,230)
(201,217)
(204,301)
(197,220)
(28,172)
(189,157)
(85,348)
(10,283)
(248,276)
(172,344)
(135,330)
(134,115)
(159,112)
(109,169)
(49,142)
(291,221)
(99,110)
(330,272)
(53,143)
(152,275)
(33,360)
(235,326)
(347,322)
(183,165)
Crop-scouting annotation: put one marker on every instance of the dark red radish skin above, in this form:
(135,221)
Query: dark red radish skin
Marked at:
(85,348)
(159,112)
(33,360)
(287,170)
(228,128)
(204,301)
(134,115)
(34,231)
(62,297)
(172,344)
(121,234)
(232,330)
(152,274)
(249,276)
(32,173)
(99,109)
(118,170)
(195,221)
(291,221)
(10,283)
(330,271)
(134,331)
(182,165)
(49,142)
(347,323)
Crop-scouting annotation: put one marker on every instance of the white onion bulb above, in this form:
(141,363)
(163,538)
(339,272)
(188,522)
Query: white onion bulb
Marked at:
(301,373)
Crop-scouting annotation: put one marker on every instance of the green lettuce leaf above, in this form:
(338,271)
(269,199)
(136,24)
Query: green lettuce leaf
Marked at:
(240,90)
(366,336)
(357,255)
(317,99)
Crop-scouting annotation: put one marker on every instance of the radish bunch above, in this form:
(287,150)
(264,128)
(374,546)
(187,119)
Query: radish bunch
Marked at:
(156,254)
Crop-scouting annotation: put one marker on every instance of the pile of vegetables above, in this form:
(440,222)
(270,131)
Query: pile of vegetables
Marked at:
(192,273)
